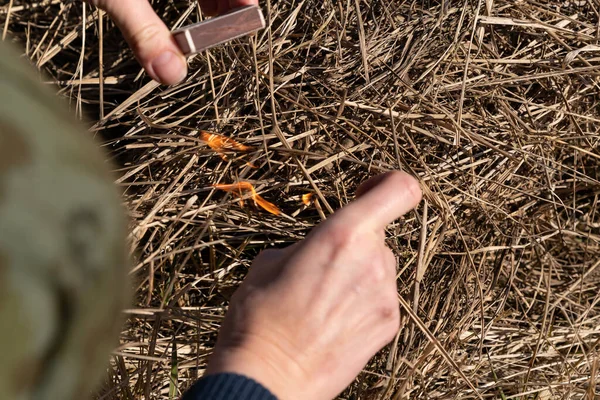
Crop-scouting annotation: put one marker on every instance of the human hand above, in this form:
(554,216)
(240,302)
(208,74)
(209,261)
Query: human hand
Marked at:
(308,318)
(151,40)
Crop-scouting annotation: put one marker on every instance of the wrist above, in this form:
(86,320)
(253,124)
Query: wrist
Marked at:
(275,374)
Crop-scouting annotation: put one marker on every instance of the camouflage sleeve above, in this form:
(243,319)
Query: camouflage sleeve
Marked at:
(63,256)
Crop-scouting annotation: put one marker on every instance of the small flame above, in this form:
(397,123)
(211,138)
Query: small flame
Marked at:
(240,187)
(307,198)
(270,207)
(221,143)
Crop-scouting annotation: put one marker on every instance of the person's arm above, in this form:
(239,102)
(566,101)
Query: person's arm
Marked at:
(307,319)
(149,37)
(227,386)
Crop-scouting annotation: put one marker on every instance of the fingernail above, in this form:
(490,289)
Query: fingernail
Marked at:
(168,68)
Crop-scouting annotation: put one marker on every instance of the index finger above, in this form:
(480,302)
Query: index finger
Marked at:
(381,200)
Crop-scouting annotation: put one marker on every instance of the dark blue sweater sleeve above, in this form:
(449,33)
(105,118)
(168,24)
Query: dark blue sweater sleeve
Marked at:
(227,386)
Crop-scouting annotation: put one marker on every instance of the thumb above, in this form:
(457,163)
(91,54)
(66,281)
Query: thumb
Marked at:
(148,37)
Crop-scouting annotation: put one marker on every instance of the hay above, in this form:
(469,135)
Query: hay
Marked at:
(493,106)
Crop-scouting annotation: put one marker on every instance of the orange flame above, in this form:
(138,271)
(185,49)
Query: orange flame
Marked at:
(220,143)
(240,187)
(307,198)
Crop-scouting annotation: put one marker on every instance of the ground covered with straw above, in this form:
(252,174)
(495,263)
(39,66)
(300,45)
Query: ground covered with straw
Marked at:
(493,105)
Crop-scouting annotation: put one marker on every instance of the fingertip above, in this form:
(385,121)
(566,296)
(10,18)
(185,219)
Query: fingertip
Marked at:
(167,67)
(149,38)
(412,185)
(383,198)
(400,178)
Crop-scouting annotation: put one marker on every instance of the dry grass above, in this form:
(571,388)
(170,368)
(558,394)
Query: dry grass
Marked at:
(490,103)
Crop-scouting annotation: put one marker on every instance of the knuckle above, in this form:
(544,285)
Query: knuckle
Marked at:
(382,269)
(378,273)
(387,312)
(390,323)
(141,37)
(343,237)
(390,309)
(390,314)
